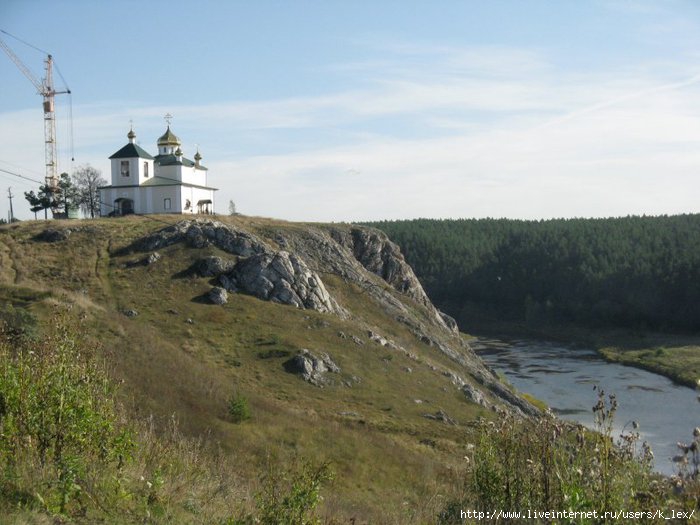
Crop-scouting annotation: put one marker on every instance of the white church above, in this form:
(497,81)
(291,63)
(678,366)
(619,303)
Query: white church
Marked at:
(166,183)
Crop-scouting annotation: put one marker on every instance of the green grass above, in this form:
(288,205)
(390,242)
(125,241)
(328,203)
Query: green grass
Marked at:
(171,368)
(212,410)
(676,359)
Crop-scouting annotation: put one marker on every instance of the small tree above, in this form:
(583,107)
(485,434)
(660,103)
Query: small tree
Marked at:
(87,181)
(67,195)
(43,200)
(231,208)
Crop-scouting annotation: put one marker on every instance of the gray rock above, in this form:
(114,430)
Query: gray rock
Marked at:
(450,322)
(311,367)
(473,395)
(376,338)
(131,313)
(440,415)
(199,233)
(151,258)
(281,277)
(213,266)
(218,295)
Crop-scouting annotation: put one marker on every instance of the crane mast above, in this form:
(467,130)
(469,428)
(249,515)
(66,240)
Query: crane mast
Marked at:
(46,89)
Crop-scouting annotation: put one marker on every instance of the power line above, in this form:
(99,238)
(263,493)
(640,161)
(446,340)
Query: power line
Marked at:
(20,176)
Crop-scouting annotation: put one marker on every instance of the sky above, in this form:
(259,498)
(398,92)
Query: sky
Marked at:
(367,110)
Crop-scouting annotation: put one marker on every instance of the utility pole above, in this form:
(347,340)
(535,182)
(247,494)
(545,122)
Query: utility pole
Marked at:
(10,196)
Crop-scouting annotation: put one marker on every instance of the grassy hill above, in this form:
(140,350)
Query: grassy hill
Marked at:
(127,396)
(181,358)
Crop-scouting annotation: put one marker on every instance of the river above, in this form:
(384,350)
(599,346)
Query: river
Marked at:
(564,378)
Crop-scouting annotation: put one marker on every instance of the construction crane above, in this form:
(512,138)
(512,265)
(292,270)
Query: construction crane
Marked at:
(45,89)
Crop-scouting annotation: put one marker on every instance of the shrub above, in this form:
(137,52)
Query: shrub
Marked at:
(289,496)
(16,322)
(238,408)
(59,428)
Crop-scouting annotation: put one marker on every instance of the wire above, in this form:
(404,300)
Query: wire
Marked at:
(20,176)
(58,70)
(24,42)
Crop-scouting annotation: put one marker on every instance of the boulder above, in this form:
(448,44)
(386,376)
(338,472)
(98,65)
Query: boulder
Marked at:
(441,415)
(213,266)
(311,367)
(218,295)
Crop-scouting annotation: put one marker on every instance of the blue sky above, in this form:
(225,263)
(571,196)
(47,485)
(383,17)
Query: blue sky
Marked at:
(340,111)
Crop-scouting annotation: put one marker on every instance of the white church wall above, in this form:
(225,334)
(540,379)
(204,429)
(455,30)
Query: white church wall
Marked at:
(195,195)
(165,199)
(170,172)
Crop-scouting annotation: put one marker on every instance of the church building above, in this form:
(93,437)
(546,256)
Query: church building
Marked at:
(166,183)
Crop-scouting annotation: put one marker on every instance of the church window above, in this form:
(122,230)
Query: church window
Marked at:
(166,204)
(125,168)
(145,169)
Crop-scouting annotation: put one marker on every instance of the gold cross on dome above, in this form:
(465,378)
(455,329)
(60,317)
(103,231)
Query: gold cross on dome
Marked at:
(168,117)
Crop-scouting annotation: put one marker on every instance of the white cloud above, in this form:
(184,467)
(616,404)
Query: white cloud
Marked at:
(474,132)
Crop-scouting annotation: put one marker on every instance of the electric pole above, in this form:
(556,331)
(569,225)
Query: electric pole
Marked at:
(10,196)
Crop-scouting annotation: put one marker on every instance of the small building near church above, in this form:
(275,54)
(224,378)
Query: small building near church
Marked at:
(166,183)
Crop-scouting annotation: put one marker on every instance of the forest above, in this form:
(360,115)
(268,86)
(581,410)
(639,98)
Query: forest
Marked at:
(628,272)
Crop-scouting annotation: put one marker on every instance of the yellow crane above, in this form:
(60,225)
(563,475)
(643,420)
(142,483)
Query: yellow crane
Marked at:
(45,88)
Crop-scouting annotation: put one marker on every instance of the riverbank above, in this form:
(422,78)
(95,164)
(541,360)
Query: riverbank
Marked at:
(674,356)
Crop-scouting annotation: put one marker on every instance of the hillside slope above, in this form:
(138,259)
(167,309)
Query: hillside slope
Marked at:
(324,328)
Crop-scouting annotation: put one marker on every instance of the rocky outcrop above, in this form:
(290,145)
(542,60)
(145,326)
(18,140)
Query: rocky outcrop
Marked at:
(199,233)
(377,254)
(312,368)
(286,267)
(283,278)
(261,271)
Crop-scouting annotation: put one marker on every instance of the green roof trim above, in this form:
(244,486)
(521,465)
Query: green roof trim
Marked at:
(131,151)
(171,160)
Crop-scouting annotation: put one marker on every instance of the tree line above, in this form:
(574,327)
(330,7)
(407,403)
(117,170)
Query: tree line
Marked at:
(636,272)
(77,191)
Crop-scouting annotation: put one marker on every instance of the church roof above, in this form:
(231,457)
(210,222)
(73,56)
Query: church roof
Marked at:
(172,160)
(131,151)
(169,139)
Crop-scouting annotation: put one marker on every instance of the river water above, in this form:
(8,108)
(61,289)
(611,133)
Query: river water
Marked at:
(564,378)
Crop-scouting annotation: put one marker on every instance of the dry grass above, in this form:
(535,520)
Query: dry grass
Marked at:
(392,464)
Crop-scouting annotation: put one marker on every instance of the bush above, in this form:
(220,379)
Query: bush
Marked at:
(59,428)
(290,496)
(16,322)
(238,408)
